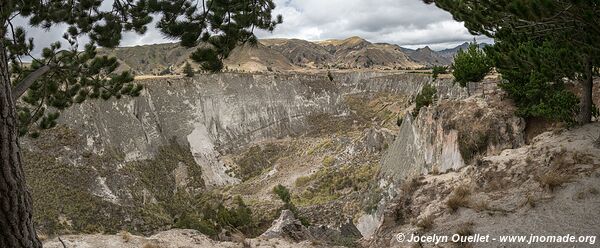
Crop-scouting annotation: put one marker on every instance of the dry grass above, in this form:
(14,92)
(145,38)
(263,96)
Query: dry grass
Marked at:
(481,205)
(531,201)
(426,223)
(553,179)
(411,185)
(42,236)
(125,235)
(459,198)
(151,245)
(466,229)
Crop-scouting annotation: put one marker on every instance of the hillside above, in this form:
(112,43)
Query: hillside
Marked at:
(282,55)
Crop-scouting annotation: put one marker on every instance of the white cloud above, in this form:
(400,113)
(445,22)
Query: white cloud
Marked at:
(409,23)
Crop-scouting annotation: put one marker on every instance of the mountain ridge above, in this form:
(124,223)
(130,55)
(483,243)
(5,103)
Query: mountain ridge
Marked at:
(281,55)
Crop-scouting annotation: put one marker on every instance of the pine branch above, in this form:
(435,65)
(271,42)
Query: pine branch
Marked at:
(22,86)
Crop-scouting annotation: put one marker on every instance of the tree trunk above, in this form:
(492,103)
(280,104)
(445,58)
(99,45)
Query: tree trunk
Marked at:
(16,223)
(585,115)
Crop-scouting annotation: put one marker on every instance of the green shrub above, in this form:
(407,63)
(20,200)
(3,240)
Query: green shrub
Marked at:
(195,222)
(187,70)
(437,70)
(284,194)
(424,98)
(471,65)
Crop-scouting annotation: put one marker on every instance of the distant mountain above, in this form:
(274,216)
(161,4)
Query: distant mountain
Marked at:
(287,55)
(427,57)
(449,53)
(351,53)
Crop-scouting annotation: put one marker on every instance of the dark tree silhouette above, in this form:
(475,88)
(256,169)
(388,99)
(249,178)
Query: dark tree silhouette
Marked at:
(526,35)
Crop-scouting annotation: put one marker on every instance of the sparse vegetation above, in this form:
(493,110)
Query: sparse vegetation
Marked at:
(151,245)
(553,179)
(409,186)
(328,161)
(481,206)
(126,236)
(376,107)
(328,183)
(465,230)
(531,200)
(284,195)
(188,70)
(426,223)
(256,159)
(472,143)
(459,198)
(212,217)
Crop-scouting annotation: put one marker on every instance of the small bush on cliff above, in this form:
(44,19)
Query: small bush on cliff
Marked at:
(188,70)
(194,222)
(284,194)
(459,198)
(211,219)
(425,98)
(437,70)
(471,65)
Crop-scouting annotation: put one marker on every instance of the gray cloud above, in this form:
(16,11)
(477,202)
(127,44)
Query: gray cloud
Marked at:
(409,23)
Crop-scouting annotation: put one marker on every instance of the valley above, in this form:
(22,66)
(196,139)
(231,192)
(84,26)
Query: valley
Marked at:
(349,149)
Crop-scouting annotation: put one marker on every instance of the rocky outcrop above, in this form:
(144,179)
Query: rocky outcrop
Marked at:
(452,133)
(287,227)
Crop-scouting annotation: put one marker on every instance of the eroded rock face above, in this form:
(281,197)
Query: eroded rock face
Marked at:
(213,114)
(450,134)
(123,156)
(288,227)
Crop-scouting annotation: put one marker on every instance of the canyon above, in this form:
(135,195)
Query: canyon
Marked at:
(361,165)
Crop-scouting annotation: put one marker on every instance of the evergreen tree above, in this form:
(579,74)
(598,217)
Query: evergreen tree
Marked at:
(569,24)
(188,70)
(61,77)
(471,65)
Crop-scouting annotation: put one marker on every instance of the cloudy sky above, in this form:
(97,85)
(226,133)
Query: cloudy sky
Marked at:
(409,23)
